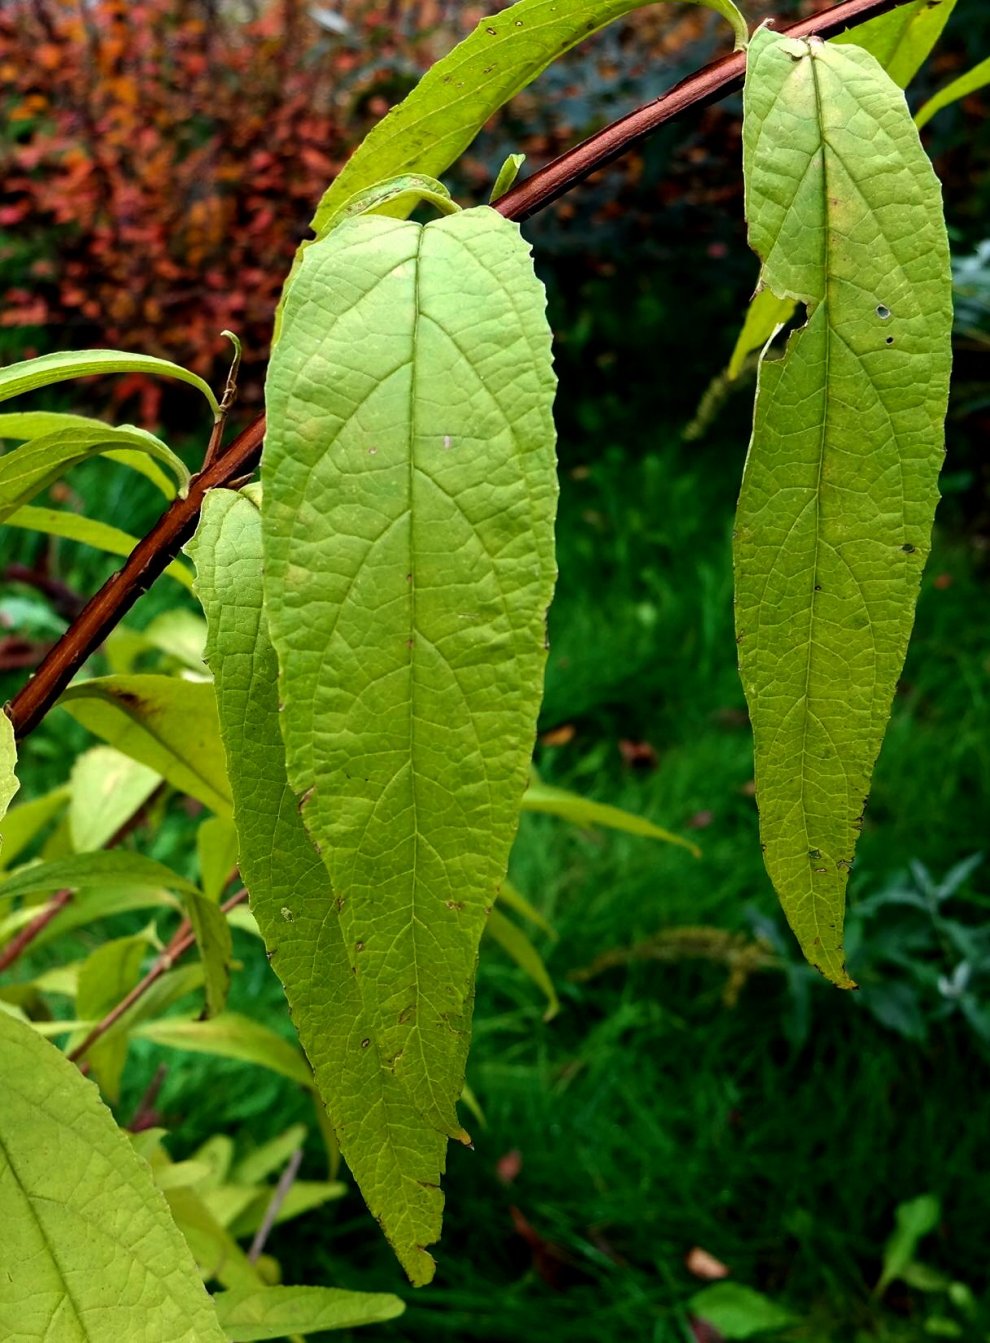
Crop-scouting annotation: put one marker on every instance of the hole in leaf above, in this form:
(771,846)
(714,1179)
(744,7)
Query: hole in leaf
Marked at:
(882,312)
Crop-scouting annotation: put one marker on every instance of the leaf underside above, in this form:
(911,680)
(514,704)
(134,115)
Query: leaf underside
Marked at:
(840,487)
(396,1161)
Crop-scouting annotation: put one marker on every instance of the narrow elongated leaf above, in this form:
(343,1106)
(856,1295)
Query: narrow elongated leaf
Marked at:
(248,1315)
(514,942)
(970,82)
(168,724)
(32,467)
(514,899)
(35,423)
(270,1157)
(216,1252)
(542,797)
(840,486)
(90,1251)
(88,531)
(902,39)
(303,1197)
(454,99)
(87,906)
(8,759)
(216,948)
(105,977)
(216,847)
(113,869)
(231,1036)
(108,789)
(408,512)
(32,374)
(396,1160)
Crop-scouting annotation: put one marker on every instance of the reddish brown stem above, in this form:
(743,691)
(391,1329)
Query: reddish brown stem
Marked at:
(26,936)
(176,949)
(162,544)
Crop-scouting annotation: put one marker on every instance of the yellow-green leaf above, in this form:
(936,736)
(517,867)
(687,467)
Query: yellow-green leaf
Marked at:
(90,1251)
(89,532)
(248,1315)
(841,482)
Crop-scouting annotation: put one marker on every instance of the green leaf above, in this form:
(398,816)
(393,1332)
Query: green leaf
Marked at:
(231,1036)
(216,847)
(737,1311)
(8,759)
(90,1251)
(902,40)
(841,482)
(765,315)
(304,1196)
(914,1220)
(962,87)
(90,532)
(27,424)
(270,1157)
(395,1159)
(20,826)
(273,1312)
(216,949)
(105,977)
(541,797)
(84,870)
(515,900)
(451,103)
(101,902)
(108,789)
(507,175)
(168,724)
(216,1252)
(32,374)
(408,509)
(516,944)
(32,467)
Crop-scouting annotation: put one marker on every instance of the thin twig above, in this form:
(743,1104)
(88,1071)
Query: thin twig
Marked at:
(176,949)
(154,553)
(26,936)
(213,448)
(279,1195)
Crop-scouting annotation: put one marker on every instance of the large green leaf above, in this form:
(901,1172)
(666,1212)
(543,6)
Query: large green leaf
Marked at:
(970,82)
(409,500)
(90,1251)
(88,531)
(396,1160)
(841,482)
(902,39)
(454,99)
(8,759)
(32,374)
(31,468)
(250,1314)
(166,723)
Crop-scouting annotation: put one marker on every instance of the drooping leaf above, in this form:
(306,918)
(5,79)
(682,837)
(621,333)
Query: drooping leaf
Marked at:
(454,99)
(88,531)
(216,948)
(901,40)
(395,1159)
(87,906)
(168,724)
(27,424)
(108,789)
(32,467)
(85,870)
(514,942)
(970,82)
(248,1315)
(8,759)
(513,899)
(303,1197)
(409,502)
(231,1036)
(542,797)
(840,486)
(32,374)
(90,1251)
(270,1157)
(105,978)
(20,826)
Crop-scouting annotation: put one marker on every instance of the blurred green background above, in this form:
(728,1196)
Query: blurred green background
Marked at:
(700,1089)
